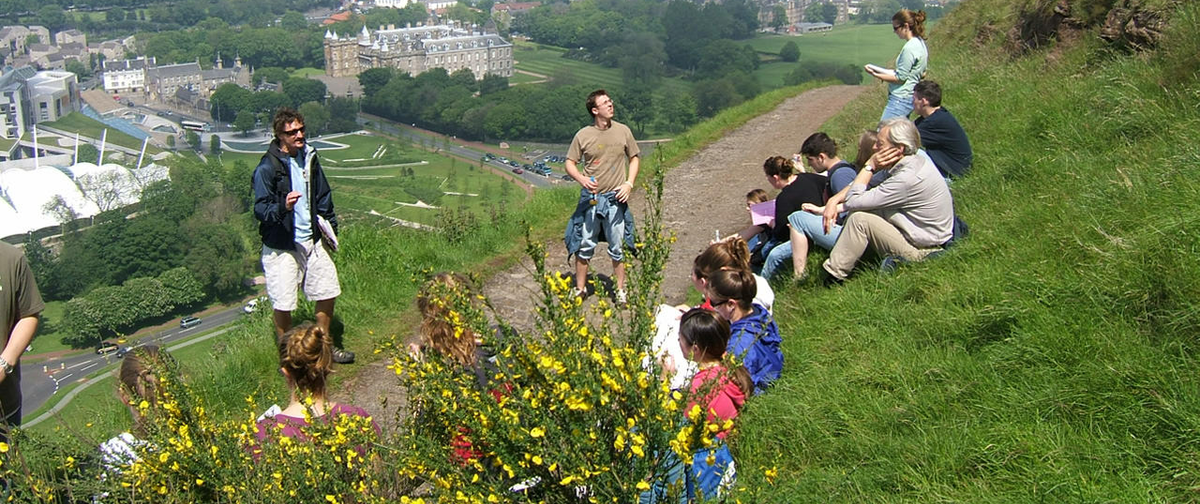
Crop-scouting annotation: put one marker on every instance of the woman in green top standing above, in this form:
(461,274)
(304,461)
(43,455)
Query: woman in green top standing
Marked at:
(910,64)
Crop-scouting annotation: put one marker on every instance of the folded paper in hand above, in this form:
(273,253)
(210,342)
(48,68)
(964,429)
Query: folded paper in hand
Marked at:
(327,234)
(763,213)
(880,70)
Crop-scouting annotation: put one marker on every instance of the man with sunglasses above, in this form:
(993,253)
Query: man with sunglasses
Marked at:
(294,208)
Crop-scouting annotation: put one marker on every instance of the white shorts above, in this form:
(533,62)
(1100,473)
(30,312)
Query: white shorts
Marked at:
(308,266)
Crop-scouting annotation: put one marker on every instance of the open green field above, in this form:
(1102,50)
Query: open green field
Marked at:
(307,72)
(86,126)
(857,44)
(547,60)
(406,184)
(523,78)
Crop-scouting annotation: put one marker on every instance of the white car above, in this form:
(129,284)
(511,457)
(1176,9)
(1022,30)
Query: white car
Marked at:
(251,305)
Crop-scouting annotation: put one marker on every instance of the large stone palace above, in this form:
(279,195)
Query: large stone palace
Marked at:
(417,49)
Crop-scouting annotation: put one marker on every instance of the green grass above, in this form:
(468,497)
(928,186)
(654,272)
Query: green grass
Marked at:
(856,44)
(307,72)
(86,126)
(523,78)
(547,60)
(49,336)
(1049,358)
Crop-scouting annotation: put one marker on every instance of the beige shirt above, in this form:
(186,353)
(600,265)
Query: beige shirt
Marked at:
(604,154)
(914,198)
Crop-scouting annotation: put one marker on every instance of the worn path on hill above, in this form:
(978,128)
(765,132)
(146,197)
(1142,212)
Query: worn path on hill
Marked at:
(704,194)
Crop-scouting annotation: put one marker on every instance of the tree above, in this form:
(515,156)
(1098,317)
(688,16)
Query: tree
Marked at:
(79,69)
(115,14)
(316,118)
(779,17)
(89,153)
(217,257)
(715,95)
(170,141)
(293,20)
(301,90)
(637,104)
(790,52)
(214,145)
(822,12)
(193,139)
(492,83)
(343,114)
(52,16)
(373,79)
(466,78)
(723,56)
(244,121)
(270,74)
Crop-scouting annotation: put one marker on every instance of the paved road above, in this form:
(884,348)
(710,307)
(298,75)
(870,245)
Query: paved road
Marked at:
(41,381)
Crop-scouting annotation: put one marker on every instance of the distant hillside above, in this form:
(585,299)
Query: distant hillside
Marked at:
(1053,356)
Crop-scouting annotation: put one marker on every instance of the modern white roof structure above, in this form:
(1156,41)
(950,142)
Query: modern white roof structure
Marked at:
(86,188)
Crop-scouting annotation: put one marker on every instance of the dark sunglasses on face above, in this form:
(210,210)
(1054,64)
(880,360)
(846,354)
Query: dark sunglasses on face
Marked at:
(292,132)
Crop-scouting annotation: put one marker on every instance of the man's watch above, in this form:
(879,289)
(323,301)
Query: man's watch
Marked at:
(8,368)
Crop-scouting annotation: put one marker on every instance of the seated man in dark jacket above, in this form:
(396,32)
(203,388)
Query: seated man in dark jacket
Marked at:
(941,135)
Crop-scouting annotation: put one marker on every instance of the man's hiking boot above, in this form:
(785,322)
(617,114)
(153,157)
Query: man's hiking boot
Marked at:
(343,356)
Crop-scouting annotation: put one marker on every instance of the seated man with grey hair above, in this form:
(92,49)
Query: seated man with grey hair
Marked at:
(908,215)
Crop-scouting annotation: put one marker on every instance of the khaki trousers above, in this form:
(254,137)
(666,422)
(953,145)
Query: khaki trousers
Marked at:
(864,229)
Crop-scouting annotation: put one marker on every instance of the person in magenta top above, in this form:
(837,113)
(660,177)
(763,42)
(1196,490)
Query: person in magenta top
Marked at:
(718,389)
(306,359)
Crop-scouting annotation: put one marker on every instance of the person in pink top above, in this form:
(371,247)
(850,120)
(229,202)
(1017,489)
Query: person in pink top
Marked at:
(718,389)
(306,360)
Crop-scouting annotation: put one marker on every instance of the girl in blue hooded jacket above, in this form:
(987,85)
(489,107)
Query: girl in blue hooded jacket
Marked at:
(754,336)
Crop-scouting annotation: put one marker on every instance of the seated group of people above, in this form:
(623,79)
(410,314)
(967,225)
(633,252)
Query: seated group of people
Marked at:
(894,199)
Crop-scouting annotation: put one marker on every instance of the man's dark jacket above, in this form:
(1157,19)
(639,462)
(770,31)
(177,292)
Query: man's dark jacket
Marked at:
(272,183)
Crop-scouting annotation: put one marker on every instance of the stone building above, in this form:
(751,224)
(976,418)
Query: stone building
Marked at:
(417,49)
(125,76)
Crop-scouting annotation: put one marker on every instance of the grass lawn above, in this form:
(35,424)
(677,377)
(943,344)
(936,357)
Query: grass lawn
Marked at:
(49,336)
(546,60)
(857,44)
(523,78)
(307,72)
(86,126)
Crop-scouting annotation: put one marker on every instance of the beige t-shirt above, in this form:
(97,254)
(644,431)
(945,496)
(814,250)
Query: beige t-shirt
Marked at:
(604,154)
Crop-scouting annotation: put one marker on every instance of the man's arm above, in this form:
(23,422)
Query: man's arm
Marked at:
(18,341)
(626,187)
(266,207)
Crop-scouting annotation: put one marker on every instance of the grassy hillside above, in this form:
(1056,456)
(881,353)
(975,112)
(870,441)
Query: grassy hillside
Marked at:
(857,44)
(1050,358)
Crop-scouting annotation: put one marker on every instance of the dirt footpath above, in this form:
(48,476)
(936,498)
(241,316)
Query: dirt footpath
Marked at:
(702,195)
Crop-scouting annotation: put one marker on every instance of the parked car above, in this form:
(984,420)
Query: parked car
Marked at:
(503,160)
(514,164)
(121,352)
(107,347)
(188,322)
(518,171)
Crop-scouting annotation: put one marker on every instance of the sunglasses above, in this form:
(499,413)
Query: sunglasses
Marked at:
(292,132)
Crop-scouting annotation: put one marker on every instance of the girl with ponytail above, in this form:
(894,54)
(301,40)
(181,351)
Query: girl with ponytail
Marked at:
(754,338)
(306,361)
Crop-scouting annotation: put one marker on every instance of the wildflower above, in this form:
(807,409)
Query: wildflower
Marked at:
(771,474)
(537,432)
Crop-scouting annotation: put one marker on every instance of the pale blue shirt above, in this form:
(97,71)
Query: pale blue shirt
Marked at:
(910,66)
(301,216)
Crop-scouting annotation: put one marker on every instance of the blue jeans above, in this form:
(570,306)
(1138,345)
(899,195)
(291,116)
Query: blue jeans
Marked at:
(609,214)
(897,107)
(775,255)
(813,226)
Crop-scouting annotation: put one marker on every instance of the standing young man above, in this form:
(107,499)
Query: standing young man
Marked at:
(291,198)
(603,158)
(20,305)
